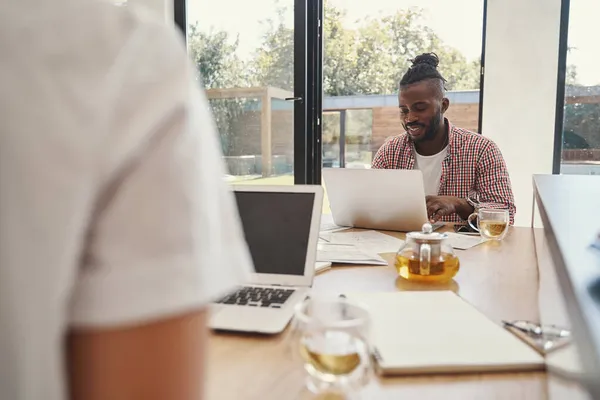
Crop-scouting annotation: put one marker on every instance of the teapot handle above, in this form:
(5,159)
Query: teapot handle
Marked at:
(425,259)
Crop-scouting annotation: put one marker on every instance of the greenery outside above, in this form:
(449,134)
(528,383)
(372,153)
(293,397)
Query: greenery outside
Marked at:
(365,60)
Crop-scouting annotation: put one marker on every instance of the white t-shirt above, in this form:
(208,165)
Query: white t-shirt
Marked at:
(113,206)
(431,168)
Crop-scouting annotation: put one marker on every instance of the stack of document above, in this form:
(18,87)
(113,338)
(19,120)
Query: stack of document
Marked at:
(362,247)
(463,242)
(327,224)
(346,254)
(369,241)
(322,266)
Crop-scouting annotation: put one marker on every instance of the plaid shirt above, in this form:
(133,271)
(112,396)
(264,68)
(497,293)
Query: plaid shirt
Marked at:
(473,168)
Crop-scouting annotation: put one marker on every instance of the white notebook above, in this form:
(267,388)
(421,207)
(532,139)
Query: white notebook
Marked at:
(438,332)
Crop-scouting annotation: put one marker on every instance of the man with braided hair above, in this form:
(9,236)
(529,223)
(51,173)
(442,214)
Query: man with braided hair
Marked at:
(459,167)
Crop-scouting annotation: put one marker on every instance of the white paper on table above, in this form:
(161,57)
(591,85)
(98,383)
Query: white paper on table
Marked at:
(321,266)
(463,242)
(327,224)
(346,254)
(371,242)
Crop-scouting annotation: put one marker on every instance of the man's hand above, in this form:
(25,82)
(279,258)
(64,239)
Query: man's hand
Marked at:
(441,206)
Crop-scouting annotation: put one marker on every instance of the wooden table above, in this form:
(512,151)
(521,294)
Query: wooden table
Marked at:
(499,278)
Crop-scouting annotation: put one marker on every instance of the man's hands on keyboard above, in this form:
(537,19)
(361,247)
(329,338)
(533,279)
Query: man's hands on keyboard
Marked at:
(258,297)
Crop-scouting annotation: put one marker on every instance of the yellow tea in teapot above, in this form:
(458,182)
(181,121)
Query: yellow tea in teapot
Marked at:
(441,269)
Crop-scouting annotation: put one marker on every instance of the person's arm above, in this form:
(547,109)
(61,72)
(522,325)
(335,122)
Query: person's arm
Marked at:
(492,187)
(164,238)
(381,159)
(159,360)
(440,206)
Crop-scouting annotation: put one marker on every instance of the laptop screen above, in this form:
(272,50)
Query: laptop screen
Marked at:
(277,228)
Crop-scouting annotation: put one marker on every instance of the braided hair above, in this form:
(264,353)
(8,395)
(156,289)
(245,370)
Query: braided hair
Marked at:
(424,67)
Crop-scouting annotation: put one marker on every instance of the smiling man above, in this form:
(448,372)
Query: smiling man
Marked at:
(460,168)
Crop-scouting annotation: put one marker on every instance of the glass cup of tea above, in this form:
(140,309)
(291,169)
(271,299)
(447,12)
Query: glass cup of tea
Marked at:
(492,224)
(330,337)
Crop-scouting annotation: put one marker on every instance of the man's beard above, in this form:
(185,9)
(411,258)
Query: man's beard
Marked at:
(430,133)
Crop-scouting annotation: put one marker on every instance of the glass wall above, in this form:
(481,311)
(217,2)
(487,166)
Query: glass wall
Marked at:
(244,51)
(347,138)
(367,48)
(581,128)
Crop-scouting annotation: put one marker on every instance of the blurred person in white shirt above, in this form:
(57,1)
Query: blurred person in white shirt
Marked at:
(116,227)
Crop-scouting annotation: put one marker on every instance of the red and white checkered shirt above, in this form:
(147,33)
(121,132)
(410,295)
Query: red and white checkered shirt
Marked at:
(473,168)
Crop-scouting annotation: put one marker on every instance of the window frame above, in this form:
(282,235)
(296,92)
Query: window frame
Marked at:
(308,83)
(308,96)
(482,67)
(561,80)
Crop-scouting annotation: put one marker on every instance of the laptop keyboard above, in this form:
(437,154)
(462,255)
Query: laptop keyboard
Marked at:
(258,297)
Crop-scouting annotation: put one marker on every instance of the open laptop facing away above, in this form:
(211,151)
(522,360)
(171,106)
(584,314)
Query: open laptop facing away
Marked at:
(386,199)
(281,226)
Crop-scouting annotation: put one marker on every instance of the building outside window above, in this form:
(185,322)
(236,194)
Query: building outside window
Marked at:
(367,49)
(580,152)
(245,55)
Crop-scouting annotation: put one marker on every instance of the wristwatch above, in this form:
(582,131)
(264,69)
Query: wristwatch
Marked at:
(473,204)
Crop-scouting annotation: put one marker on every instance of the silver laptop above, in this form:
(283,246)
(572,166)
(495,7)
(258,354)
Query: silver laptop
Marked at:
(385,199)
(281,226)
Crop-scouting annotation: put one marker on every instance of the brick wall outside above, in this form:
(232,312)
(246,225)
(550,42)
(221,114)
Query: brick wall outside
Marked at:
(282,132)
(579,155)
(246,131)
(245,135)
(386,121)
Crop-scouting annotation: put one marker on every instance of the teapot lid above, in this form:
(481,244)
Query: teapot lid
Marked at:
(427,233)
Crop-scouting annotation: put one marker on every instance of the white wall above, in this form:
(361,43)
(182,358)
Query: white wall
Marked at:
(161,7)
(521,66)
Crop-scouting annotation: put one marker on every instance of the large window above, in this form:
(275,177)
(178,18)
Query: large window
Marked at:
(244,51)
(253,62)
(580,145)
(347,138)
(367,48)
(248,54)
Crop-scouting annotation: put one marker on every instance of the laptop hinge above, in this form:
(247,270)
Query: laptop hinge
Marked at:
(278,284)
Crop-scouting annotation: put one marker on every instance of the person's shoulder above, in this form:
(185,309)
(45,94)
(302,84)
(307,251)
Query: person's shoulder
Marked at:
(103,16)
(94,17)
(127,27)
(93,36)
(144,62)
(396,142)
(471,139)
(142,31)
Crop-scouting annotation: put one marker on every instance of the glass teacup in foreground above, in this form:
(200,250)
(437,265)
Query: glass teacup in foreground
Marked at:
(330,337)
(492,223)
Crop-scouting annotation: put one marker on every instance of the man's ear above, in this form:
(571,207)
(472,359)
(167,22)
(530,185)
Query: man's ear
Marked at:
(445,105)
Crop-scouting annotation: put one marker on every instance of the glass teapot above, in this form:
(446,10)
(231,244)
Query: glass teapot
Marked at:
(426,256)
